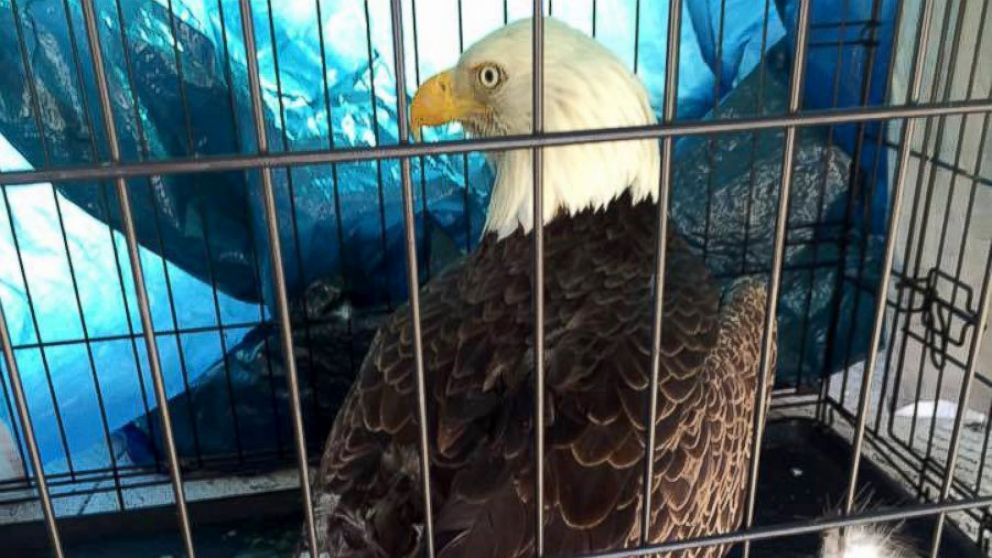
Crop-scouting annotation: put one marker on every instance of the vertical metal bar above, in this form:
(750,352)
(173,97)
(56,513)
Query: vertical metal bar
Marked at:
(890,247)
(824,173)
(918,198)
(181,82)
(338,217)
(115,471)
(858,149)
(465,167)
(378,162)
(537,154)
(594,19)
(88,343)
(255,267)
(760,111)
(978,335)
(25,416)
(637,33)
(278,277)
(422,160)
(36,113)
(711,138)
(293,224)
(778,259)
(927,202)
(945,222)
(853,189)
(661,244)
(412,277)
(144,152)
(127,220)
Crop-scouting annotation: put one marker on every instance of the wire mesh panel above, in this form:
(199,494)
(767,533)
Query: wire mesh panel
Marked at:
(209,209)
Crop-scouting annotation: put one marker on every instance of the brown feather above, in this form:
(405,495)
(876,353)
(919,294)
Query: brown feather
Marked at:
(479,363)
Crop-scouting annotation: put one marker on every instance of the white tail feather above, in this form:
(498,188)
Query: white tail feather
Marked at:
(864,541)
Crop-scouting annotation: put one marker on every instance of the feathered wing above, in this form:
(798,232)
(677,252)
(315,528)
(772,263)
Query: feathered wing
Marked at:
(701,487)
(477,348)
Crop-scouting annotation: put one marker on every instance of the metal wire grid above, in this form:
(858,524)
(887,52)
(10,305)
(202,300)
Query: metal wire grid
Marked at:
(917,293)
(128,473)
(264,162)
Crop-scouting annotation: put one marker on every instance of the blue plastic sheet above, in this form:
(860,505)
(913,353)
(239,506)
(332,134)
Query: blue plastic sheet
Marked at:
(179,88)
(42,274)
(856,78)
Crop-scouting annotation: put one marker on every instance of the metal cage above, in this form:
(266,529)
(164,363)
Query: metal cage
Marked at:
(929,310)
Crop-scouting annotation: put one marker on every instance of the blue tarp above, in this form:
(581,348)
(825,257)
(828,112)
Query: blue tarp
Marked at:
(179,88)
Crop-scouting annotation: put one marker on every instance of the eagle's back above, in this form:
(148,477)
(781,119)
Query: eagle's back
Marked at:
(478,340)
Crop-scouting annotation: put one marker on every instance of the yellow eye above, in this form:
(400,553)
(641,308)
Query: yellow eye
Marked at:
(489,76)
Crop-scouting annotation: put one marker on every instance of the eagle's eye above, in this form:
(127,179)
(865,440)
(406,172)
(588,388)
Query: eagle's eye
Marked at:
(489,76)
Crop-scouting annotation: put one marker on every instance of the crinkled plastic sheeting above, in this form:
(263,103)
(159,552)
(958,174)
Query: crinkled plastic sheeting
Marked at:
(179,88)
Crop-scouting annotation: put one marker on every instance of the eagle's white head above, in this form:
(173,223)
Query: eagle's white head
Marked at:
(585,87)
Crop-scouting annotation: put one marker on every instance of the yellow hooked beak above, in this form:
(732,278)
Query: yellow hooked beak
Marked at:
(436,103)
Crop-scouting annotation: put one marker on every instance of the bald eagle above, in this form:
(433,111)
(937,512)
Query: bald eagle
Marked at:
(600,232)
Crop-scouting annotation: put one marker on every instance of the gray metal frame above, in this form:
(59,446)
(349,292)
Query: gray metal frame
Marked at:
(667,130)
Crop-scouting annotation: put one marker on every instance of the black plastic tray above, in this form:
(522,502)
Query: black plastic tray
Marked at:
(803,475)
(803,472)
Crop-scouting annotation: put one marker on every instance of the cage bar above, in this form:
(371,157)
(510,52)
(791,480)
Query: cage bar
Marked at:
(976,347)
(547,139)
(864,395)
(36,114)
(127,221)
(278,277)
(948,85)
(537,288)
(759,111)
(661,247)
(825,161)
(922,186)
(778,260)
(667,131)
(25,417)
(798,528)
(291,197)
(375,134)
(412,276)
(889,95)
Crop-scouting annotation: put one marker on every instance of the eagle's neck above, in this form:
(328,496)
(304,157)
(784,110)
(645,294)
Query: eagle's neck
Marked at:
(576,178)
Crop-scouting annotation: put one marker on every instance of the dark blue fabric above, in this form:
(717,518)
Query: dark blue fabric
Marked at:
(865,44)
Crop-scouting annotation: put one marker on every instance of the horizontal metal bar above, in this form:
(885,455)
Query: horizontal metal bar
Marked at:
(214,465)
(170,332)
(804,527)
(929,470)
(550,139)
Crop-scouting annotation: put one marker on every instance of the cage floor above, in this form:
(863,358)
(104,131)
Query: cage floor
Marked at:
(803,472)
